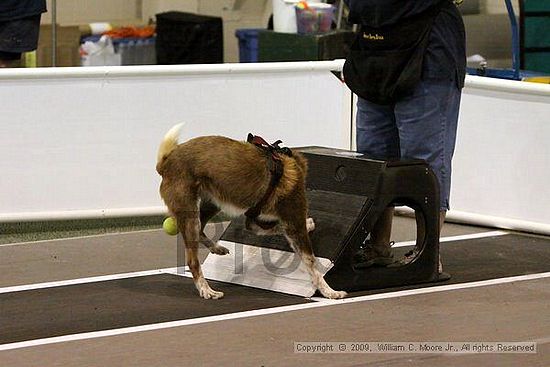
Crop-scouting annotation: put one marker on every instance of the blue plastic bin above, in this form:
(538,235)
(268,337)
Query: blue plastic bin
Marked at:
(133,51)
(248,44)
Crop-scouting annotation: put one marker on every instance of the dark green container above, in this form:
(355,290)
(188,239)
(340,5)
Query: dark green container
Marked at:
(535,35)
(276,46)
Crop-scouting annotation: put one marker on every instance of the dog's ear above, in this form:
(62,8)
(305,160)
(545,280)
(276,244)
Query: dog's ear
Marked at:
(249,138)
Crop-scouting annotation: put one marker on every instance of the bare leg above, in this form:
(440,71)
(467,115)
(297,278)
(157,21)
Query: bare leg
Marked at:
(442,215)
(381,232)
(10,63)
(421,231)
(382,229)
(377,251)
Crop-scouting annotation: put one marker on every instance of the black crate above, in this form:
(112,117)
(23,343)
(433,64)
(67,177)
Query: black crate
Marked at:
(185,38)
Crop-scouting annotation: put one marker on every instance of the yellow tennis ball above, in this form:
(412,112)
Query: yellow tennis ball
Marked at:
(170,226)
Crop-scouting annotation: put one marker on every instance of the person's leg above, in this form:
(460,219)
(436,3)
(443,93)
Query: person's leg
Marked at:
(376,132)
(420,225)
(420,233)
(381,232)
(427,123)
(377,137)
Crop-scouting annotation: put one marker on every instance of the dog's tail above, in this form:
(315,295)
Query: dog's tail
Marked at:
(168,144)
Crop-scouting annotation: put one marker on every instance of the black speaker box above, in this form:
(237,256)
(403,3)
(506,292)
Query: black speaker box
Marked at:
(185,38)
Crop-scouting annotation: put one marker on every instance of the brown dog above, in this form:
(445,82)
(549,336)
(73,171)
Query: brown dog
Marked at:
(207,174)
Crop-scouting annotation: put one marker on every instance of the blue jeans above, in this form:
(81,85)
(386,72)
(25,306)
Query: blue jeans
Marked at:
(422,125)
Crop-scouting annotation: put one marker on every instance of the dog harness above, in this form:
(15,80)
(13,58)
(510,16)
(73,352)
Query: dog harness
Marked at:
(275,165)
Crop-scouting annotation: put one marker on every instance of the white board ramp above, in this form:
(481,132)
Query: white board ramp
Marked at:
(264,268)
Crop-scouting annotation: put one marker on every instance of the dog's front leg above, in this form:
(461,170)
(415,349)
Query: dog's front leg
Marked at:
(207,211)
(190,230)
(310,224)
(298,239)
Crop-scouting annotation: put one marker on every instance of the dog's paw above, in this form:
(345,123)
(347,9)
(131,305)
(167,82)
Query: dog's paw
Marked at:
(310,224)
(332,294)
(219,250)
(210,294)
(205,291)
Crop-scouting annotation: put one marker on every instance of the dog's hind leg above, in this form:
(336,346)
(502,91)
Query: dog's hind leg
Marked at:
(190,227)
(207,211)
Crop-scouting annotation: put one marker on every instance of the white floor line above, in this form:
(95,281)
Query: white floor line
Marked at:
(457,238)
(101,278)
(435,289)
(405,243)
(173,271)
(80,237)
(268,311)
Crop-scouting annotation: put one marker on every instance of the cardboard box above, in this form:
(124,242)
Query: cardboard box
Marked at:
(68,43)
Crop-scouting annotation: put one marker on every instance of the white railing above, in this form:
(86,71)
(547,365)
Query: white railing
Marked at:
(145,71)
(81,142)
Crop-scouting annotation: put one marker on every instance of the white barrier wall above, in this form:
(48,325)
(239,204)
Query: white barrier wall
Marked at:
(501,173)
(78,143)
(82,142)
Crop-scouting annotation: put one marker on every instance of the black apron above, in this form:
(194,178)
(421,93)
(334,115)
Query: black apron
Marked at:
(385,63)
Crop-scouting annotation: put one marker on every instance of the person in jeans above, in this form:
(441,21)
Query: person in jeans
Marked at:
(422,123)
